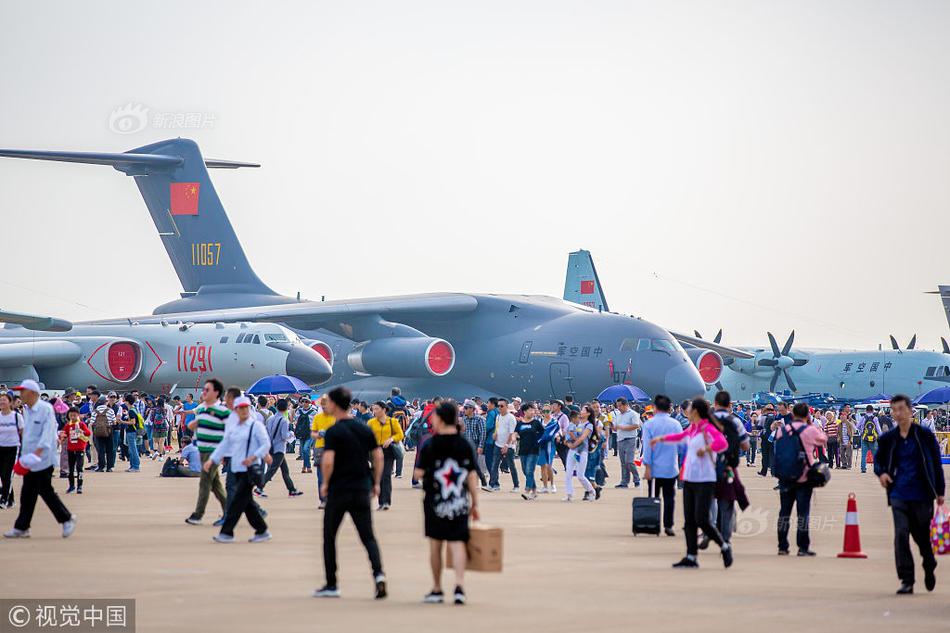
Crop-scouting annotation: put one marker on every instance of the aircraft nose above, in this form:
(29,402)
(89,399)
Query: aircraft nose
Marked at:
(683,382)
(307,365)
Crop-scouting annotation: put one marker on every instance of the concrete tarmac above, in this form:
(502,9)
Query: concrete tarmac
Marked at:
(568,567)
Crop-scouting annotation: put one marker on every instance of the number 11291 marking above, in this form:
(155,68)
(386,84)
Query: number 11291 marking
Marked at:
(194,358)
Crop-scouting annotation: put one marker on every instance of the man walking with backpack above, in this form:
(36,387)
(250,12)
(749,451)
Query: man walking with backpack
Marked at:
(103,423)
(795,445)
(909,468)
(869,429)
(278,430)
(729,489)
(305,413)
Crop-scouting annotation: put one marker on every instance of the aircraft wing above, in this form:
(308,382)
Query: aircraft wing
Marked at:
(722,350)
(359,320)
(35,321)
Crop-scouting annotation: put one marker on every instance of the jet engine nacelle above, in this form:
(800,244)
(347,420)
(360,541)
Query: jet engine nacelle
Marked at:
(321,348)
(708,362)
(403,357)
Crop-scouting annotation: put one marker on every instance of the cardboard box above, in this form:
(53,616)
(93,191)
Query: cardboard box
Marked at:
(484,549)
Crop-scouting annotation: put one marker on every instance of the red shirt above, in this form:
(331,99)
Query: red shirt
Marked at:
(77,435)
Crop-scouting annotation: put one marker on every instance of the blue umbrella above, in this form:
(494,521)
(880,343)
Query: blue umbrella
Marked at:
(279,383)
(629,392)
(940,395)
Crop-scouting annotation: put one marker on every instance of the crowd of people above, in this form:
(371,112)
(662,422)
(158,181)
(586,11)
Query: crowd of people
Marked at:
(692,449)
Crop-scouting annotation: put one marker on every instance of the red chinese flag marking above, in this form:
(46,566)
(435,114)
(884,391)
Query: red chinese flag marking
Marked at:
(587,287)
(184,198)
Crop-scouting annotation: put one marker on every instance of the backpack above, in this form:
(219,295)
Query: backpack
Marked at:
(159,423)
(730,456)
(170,468)
(788,459)
(302,426)
(869,434)
(101,427)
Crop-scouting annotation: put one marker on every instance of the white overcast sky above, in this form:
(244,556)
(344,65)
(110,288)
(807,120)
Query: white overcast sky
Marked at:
(747,165)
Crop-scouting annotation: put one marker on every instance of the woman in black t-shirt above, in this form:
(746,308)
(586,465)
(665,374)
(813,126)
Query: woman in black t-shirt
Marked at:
(447,468)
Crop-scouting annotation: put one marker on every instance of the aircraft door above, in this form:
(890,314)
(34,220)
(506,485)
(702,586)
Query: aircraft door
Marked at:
(562,382)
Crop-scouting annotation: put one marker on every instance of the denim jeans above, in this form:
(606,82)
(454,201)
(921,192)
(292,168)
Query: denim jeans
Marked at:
(149,444)
(798,495)
(105,454)
(132,443)
(528,465)
(118,447)
(306,447)
(865,448)
(509,459)
(595,471)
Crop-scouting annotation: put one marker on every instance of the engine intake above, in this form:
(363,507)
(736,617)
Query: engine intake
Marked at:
(709,364)
(403,357)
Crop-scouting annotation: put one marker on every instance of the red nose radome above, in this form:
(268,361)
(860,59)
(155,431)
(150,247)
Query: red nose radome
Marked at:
(440,358)
(123,361)
(710,367)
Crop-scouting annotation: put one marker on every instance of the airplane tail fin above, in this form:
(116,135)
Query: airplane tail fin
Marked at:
(582,285)
(945,298)
(173,179)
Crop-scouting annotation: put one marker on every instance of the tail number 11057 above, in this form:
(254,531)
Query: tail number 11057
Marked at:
(194,358)
(206,254)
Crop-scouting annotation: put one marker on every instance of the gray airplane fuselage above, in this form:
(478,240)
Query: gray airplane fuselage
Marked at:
(156,358)
(844,374)
(531,346)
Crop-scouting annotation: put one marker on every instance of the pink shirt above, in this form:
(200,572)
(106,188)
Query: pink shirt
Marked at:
(700,468)
(812,437)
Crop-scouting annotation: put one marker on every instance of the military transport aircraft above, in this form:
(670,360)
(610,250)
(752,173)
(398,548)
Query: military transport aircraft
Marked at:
(159,358)
(841,375)
(454,344)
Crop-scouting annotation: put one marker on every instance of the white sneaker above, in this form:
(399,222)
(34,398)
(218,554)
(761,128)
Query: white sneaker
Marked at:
(222,538)
(567,499)
(69,527)
(515,489)
(260,538)
(553,488)
(326,592)
(15,533)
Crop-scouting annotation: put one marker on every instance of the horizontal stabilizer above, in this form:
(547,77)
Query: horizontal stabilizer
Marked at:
(119,160)
(36,322)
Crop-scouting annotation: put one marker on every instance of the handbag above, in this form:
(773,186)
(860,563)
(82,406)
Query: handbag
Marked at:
(396,446)
(940,532)
(255,472)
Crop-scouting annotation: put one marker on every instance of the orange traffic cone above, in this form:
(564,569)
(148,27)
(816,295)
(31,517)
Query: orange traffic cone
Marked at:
(852,532)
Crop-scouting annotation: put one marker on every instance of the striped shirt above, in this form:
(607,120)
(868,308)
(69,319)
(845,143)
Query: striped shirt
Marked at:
(211,421)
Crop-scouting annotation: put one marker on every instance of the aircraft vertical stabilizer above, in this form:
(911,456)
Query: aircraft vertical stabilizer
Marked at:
(582,285)
(945,299)
(173,179)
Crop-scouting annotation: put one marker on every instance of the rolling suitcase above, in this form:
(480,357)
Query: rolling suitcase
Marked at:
(646,513)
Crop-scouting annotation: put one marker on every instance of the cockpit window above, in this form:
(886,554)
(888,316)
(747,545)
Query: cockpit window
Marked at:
(662,345)
(274,337)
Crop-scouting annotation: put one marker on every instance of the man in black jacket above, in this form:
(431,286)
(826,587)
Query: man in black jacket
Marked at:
(908,464)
